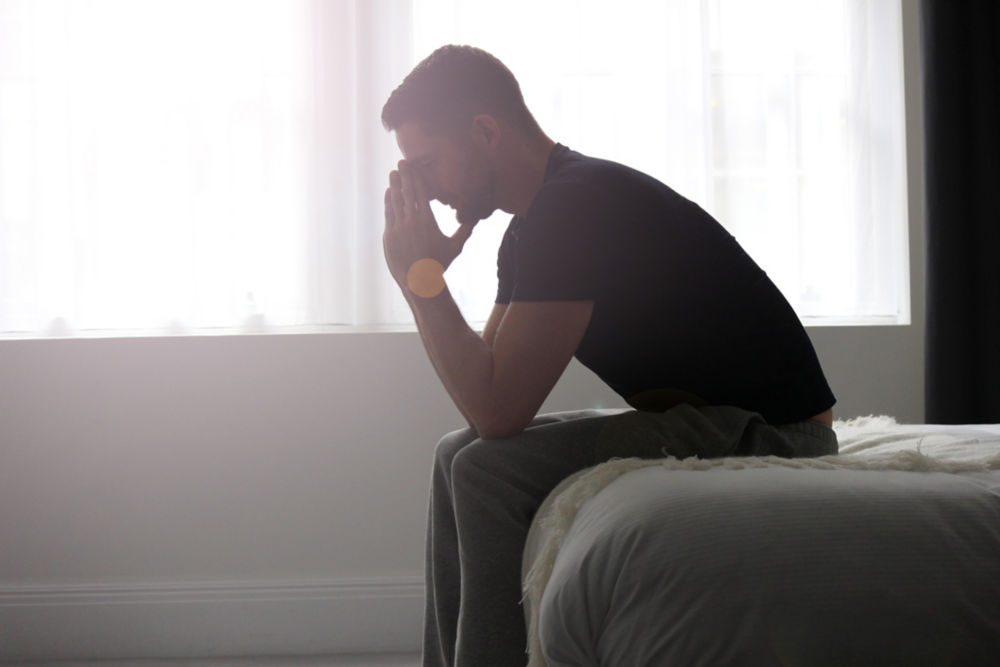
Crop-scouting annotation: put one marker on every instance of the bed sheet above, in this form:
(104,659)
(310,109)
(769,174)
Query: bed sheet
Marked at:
(888,553)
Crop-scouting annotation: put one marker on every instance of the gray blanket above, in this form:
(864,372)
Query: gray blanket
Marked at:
(888,553)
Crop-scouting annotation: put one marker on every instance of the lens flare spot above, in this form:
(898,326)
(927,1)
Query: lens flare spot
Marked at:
(425,278)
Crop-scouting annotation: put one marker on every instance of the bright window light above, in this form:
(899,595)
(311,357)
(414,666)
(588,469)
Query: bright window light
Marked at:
(194,165)
(782,118)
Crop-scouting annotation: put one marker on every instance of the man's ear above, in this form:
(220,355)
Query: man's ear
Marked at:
(486,131)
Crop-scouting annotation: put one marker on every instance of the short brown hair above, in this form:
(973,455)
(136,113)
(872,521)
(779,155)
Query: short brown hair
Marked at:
(449,87)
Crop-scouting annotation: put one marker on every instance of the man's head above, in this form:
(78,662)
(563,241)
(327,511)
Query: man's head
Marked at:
(460,121)
(445,92)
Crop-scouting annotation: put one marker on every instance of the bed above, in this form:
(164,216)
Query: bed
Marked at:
(888,553)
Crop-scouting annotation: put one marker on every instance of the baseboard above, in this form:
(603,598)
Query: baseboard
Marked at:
(210,619)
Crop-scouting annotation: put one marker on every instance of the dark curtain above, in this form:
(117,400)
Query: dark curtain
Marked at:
(960,49)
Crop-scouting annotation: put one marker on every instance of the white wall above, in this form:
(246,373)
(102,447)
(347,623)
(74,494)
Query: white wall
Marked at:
(146,472)
(211,495)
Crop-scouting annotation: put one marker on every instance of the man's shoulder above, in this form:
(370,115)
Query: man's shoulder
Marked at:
(600,181)
(584,191)
(571,169)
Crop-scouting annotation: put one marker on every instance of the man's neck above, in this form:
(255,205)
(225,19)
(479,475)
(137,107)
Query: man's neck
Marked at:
(522,172)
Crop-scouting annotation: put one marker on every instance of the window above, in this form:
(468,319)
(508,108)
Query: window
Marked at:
(198,165)
(783,118)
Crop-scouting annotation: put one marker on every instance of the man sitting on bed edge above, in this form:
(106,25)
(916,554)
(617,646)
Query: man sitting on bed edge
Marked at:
(600,262)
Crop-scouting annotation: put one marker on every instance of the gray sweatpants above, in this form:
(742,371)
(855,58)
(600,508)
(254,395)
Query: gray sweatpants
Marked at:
(484,494)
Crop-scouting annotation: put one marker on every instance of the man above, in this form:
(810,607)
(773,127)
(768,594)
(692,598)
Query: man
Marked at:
(599,262)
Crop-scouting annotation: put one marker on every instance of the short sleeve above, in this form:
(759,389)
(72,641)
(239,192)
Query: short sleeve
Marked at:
(505,263)
(558,251)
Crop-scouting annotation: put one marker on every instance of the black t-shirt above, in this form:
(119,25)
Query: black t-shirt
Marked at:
(678,304)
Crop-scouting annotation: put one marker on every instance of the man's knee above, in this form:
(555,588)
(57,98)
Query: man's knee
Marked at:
(463,461)
(451,444)
(473,463)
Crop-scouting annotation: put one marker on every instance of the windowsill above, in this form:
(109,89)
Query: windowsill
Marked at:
(865,321)
(326,329)
(213,332)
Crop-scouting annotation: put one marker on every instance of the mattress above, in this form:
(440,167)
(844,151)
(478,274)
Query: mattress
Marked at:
(888,553)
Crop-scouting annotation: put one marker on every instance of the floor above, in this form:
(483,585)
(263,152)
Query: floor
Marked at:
(366,660)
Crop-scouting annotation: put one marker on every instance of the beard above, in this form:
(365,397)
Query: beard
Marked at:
(473,212)
(478,199)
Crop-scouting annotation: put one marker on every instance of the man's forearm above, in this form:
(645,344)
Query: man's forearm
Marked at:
(500,383)
(461,358)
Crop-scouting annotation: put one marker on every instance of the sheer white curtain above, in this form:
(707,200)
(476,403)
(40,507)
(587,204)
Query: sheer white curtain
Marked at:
(177,165)
(184,165)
